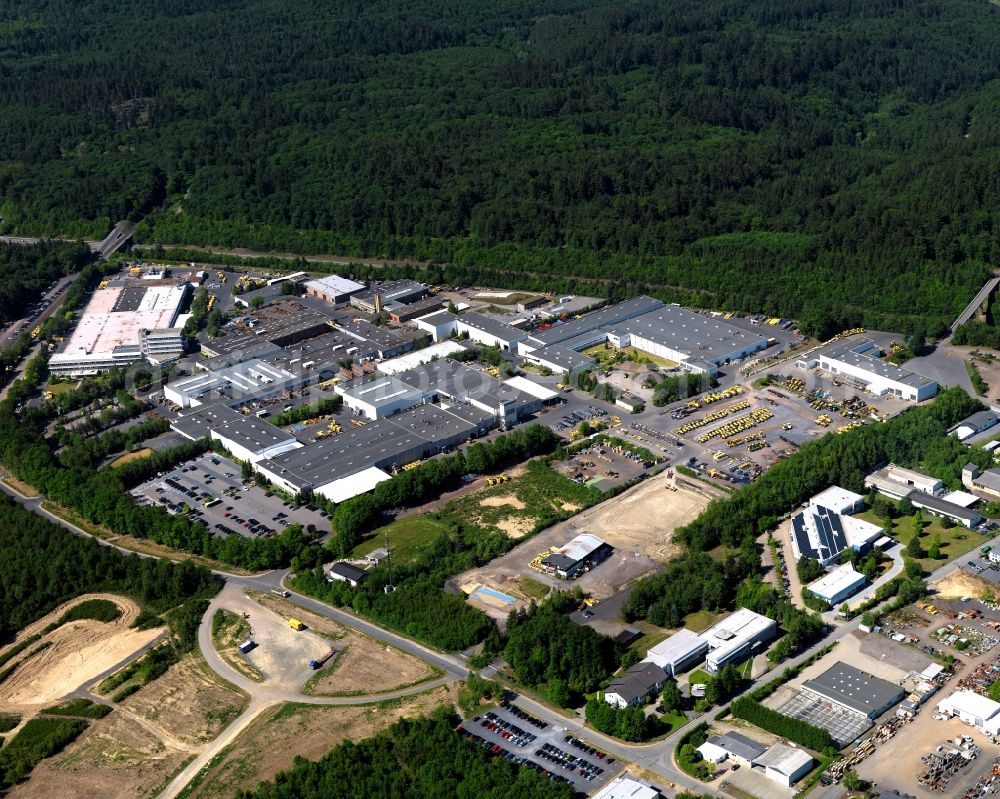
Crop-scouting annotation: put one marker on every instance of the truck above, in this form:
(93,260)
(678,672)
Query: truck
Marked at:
(247,646)
(319,662)
(295,624)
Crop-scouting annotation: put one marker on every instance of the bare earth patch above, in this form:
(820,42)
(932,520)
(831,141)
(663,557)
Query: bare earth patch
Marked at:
(363,665)
(506,499)
(516,528)
(74,653)
(136,750)
(309,731)
(959,584)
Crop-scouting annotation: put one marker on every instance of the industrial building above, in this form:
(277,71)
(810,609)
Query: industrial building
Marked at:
(856,690)
(970,707)
(823,534)
(440,325)
(731,746)
(786,765)
(407,313)
(839,584)
(412,360)
(942,507)
(125,321)
(197,422)
(581,553)
(696,342)
(897,482)
(635,686)
(382,396)
(559,360)
(839,500)
(251,439)
(734,638)
(985,483)
(679,652)
(344,572)
(333,289)
(355,461)
(484,330)
(388,296)
(973,425)
(243,382)
(859,362)
(626,788)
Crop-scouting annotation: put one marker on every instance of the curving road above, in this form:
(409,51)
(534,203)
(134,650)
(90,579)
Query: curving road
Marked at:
(656,757)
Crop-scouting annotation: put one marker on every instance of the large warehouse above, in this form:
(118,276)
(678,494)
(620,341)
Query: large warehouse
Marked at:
(484,330)
(333,289)
(243,382)
(354,461)
(854,689)
(251,439)
(973,709)
(737,636)
(698,343)
(124,322)
(822,534)
(859,359)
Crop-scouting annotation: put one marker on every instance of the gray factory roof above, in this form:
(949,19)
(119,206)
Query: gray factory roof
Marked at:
(438,318)
(252,433)
(381,390)
(854,688)
(939,505)
(696,335)
(738,744)
(390,291)
(989,479)
(197,422)
(378,444)
(563,357)
(491,327)
(457,381)
(845,351)
(605,317)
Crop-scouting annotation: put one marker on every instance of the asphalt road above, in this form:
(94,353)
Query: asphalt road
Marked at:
(656,757)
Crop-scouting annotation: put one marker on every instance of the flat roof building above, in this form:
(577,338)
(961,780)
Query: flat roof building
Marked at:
(484,330)
(854,689)
(786,765)
(412,360)
(389,295)
(974,709)
(441,325)
(859,359)
(839,500)
(559,359)
(627,788)
(678,652)
(583,551)
(251,439)
(407,313)
(195,423)
(377,396)
(839,584)
(124,322)
(822,534)
(333,289)
(985,482)
(735,637)
(896,482)
(243,382)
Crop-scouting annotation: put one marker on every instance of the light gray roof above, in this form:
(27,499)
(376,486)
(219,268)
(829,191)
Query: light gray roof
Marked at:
(989,479)
(197,422)
(491,327)
(252,433)
(846,351)
(563,357)
(786,760)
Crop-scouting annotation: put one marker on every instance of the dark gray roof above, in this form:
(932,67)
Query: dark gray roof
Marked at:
(832,538)
(638,681)
(739,745)
(348,571)
(856,689)
(611,315)
(491,326)
(933,503)
(197,422)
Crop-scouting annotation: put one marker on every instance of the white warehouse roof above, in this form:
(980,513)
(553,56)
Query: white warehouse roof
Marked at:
(334,284)
(581,547)
(835,582)
(837,499)
(353,485)
(738,627)
(969,703)
(676,648)
(785,760)
(626,788)
(419,357)
(532,388)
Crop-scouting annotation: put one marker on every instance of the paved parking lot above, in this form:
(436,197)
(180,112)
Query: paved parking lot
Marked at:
(219,478)
(524,739)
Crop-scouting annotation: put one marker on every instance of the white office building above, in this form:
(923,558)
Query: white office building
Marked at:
(736,637)
(679,652)
(837,585)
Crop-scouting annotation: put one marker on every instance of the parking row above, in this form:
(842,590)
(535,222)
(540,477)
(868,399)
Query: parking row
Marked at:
(574,419)
(587,770)
(500,751)
(523,715)
(506,729)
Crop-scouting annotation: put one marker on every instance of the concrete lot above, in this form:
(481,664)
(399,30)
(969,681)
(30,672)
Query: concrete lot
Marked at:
(553,736)
(216,475)
(751,782)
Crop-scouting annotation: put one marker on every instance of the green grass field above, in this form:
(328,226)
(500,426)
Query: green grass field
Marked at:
(955,541)
(532,588)
(60,388)
(407,536)
(675,720)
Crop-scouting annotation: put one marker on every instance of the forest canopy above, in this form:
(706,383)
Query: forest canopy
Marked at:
(831,160)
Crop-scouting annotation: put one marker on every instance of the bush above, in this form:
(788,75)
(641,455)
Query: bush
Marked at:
(79,708)
(38,739)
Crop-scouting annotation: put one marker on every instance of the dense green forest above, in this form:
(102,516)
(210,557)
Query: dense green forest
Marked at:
(831,160)
(27,272)
(418,759)
(44,565)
